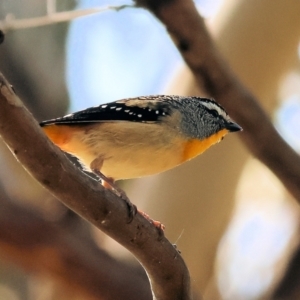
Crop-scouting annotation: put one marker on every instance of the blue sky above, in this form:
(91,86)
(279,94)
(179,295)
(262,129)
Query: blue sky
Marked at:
(115,55)
(119,54)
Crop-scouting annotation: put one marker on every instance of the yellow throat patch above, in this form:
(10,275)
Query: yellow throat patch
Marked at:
(195,147)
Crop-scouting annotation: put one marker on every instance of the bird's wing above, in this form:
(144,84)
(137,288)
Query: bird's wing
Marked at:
(143,109)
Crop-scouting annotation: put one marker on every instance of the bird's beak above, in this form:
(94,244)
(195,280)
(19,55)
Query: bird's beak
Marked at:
(232,127)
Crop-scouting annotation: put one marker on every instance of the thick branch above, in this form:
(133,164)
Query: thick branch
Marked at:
(40,247)
(167,272)
(189,33)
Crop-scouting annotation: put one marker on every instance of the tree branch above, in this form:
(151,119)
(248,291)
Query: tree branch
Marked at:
(190,35)
(40,247)
(166,269)
(11,23)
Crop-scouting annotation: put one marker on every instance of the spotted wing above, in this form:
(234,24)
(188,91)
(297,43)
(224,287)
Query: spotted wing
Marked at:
(142,109)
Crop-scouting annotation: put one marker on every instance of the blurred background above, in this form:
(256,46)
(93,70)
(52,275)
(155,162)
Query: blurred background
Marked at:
(235,224)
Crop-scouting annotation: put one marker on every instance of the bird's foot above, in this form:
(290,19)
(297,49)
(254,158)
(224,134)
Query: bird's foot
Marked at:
(158,225)
(110,184)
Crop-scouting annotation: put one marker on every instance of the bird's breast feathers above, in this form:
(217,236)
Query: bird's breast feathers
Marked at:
(194,147)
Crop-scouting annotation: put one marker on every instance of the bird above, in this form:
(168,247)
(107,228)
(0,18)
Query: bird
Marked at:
(142,136)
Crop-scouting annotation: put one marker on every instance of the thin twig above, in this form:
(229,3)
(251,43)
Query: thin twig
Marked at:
(10,23)
(51,7)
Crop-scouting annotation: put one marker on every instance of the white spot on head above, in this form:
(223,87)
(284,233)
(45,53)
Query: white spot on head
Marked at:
(214,106)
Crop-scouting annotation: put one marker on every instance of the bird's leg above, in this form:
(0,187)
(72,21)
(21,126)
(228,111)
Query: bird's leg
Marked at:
(109,183)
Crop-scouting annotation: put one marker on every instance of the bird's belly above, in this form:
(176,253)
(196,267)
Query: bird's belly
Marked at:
(128,150)
(142,162)
(129,153)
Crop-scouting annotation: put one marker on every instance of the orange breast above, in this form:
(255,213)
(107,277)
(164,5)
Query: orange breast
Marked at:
(195,147)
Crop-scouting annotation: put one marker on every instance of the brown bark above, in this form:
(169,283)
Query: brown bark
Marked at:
(43,248)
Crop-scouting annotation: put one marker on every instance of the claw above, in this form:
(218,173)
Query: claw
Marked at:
(158,225)
(109,183)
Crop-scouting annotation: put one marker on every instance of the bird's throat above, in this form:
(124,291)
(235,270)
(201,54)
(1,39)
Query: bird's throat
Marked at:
(195,147)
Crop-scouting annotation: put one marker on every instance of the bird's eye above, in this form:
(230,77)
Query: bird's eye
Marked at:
(214,113)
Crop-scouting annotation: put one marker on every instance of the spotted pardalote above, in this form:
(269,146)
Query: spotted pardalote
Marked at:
(140,136)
